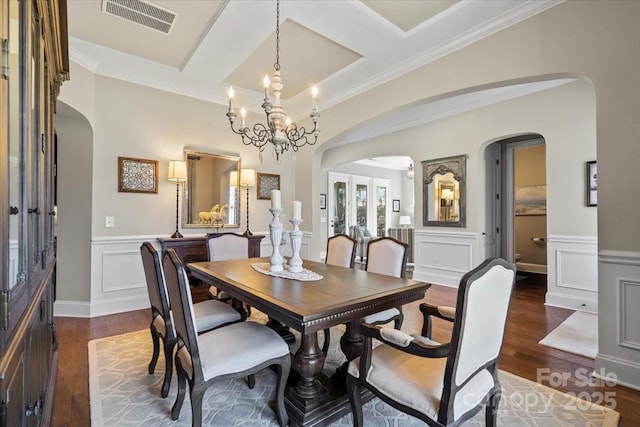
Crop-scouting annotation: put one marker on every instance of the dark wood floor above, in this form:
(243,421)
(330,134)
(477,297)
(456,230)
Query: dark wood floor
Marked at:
(529,321)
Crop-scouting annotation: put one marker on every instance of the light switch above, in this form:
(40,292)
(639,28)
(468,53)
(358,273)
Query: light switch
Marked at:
(109,221)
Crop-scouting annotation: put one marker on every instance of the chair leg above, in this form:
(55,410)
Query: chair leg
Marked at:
(327,341)
(491,414)
(283,373)
(251,381)
(156,350)
(353,393)
(397,322)
(168,367)
(182,385)
(197,393)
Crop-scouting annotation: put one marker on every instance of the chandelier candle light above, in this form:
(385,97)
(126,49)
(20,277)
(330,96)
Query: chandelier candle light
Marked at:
(279,130)
(295,263)
(276,262)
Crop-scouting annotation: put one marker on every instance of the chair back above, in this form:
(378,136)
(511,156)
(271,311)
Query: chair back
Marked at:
(156,286)
(387,255)
(182,309)
(341,251)
(221,247)
(478,331)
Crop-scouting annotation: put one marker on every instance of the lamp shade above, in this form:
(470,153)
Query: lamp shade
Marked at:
(177,170)
(248,178)
(233,179)
(404,220)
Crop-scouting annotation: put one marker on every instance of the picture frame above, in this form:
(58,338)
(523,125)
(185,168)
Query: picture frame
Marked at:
(323,201)
(396,205)
(591,183)
(266,183)
(137,175)
(531,200)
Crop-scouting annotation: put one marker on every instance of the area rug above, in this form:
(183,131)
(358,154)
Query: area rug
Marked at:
(578,334)
(122,393)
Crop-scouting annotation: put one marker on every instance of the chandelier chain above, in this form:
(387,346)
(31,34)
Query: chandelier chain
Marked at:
(277,64)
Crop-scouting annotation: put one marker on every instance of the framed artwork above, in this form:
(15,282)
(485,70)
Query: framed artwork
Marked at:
(592,183)
(266,183)
(137,175)
(396,205)
(323,201)
(531,200)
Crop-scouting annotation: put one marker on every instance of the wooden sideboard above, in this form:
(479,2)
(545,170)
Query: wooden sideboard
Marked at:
(194,249)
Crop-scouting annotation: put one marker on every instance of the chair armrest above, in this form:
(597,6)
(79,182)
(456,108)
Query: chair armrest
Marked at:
(442,312)
(405,342)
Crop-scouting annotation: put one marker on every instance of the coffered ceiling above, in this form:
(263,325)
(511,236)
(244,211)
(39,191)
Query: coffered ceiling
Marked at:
(345,47)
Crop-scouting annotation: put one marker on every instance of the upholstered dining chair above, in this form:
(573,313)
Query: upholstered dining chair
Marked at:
(442,384)
(341,251)
(237,350)
(387,255)
(221,247)
(208,314)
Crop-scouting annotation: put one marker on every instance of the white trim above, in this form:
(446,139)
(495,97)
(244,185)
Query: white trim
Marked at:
(71,308)
(619,257)
(454,254)
(572,239)
(571,302)
(620,368)
(119,305)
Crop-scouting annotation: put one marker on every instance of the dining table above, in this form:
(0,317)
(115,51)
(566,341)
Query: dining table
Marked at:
(335,296)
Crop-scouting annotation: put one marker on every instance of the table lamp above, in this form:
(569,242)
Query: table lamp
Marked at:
(247,179)
(405,221)
(177,173)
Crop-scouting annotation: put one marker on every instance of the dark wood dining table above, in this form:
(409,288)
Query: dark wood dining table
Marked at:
(341,296)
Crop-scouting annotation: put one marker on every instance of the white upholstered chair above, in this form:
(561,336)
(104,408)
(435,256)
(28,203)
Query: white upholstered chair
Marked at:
(341,251)
(442,384)
(235,351)
(208,314)
(221,247)
(388,256)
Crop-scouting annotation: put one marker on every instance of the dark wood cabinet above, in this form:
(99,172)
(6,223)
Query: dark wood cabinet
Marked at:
(194,249)
(35,62)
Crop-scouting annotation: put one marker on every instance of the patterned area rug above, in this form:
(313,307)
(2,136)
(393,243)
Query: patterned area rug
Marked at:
(122,393)
(578,334)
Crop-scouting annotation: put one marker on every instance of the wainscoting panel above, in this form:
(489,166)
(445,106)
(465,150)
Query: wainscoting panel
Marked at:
(121,271)
(572,279)
(444,257)
(618,298)
(117,276)
(285,246)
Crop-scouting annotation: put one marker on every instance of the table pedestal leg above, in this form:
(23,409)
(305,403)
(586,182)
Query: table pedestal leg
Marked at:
(351,345)
(304,399)
(282,330)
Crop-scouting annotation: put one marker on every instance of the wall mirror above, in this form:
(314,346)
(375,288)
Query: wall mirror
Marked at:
(211,195)
(444,191)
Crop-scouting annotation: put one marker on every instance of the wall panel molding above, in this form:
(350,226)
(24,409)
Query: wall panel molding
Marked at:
(443,257)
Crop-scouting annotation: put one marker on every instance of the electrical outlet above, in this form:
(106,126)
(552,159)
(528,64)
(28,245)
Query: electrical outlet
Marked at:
(109,221)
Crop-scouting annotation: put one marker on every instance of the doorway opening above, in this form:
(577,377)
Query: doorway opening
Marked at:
(516,204)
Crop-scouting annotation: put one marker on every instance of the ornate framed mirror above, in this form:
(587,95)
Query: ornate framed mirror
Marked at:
(212,196)
(444,191)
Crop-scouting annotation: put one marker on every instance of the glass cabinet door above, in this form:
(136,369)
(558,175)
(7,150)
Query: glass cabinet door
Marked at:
(17,268)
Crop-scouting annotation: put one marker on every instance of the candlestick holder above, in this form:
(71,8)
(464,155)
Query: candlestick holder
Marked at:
(275,233)
(295,263)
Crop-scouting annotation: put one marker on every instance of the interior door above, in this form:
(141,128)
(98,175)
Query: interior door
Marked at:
(338,204)
(491,234)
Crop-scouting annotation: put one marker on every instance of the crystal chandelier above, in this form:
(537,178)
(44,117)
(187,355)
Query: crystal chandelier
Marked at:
(279,130)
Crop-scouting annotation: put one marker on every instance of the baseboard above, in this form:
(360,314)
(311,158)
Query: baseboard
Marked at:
(606,366)
(436,279)
(531,268)
(571,302)
(102,308)
(71,309)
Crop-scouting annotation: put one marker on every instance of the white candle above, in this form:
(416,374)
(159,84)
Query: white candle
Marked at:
(230,93)
(276,200)
(297,209)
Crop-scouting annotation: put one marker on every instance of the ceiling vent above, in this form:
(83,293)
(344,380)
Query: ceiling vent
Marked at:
(142,13)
